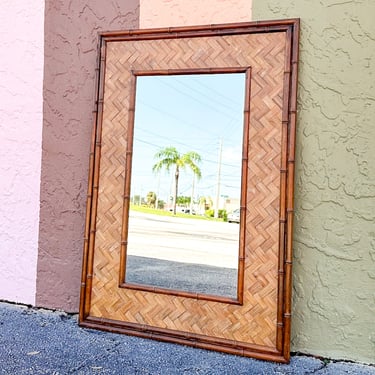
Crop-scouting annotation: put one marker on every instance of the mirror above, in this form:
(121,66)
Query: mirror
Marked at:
(185,197)
(180,277)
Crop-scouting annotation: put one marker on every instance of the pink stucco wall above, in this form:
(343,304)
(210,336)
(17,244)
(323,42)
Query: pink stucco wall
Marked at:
(21,82)
(168,13)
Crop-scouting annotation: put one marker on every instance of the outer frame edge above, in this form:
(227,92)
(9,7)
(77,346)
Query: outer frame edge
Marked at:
(184,338)
(192,339)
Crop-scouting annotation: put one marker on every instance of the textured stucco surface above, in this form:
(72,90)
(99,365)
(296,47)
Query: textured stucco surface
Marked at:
(21,82)
(168,13)
(334,243)
(70,62)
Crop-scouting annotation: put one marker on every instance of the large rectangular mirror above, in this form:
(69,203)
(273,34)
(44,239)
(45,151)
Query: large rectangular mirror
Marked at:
(184,212)
(190,196)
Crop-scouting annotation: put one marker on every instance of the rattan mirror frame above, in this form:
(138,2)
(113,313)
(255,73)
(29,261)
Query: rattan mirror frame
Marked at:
(260,325)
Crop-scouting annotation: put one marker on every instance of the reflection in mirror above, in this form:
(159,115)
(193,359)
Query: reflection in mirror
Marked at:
(183,228)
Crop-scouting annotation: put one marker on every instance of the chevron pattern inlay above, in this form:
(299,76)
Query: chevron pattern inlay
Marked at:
(254,322)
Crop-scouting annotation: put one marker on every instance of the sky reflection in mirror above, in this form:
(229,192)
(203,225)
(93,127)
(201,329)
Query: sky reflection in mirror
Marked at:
(191,113)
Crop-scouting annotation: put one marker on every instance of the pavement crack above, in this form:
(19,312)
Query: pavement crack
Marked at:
(104,354)
(325,363)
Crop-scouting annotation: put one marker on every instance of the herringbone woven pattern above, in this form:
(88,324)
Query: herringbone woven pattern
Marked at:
(255,321)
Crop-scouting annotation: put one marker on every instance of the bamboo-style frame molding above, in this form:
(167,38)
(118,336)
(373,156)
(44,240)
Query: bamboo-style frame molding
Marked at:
(281,352)
(125,222)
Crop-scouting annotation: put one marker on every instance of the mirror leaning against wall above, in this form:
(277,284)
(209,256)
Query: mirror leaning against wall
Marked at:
(155,235)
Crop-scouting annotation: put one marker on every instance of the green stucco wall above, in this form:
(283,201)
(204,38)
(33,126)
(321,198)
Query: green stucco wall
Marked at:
(334,236)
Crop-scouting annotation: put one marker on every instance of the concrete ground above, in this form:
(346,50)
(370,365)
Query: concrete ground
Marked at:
(35,341)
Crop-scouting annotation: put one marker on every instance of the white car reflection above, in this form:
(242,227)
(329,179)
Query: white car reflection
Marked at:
(234,216)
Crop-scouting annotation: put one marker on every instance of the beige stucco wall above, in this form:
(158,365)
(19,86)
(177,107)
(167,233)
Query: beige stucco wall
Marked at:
(334,243)
(168,13)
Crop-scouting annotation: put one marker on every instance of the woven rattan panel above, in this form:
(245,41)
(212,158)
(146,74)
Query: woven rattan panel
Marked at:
(254,322)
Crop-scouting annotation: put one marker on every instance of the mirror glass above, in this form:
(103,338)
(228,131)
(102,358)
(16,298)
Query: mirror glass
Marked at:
(188,132)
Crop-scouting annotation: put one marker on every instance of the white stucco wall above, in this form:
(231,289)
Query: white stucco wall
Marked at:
(21,83)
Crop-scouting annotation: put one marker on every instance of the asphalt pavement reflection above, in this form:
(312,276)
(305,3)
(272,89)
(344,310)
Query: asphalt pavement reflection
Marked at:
(185,254)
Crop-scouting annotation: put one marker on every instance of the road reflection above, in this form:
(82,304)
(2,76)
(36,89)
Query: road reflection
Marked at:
(186,254)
